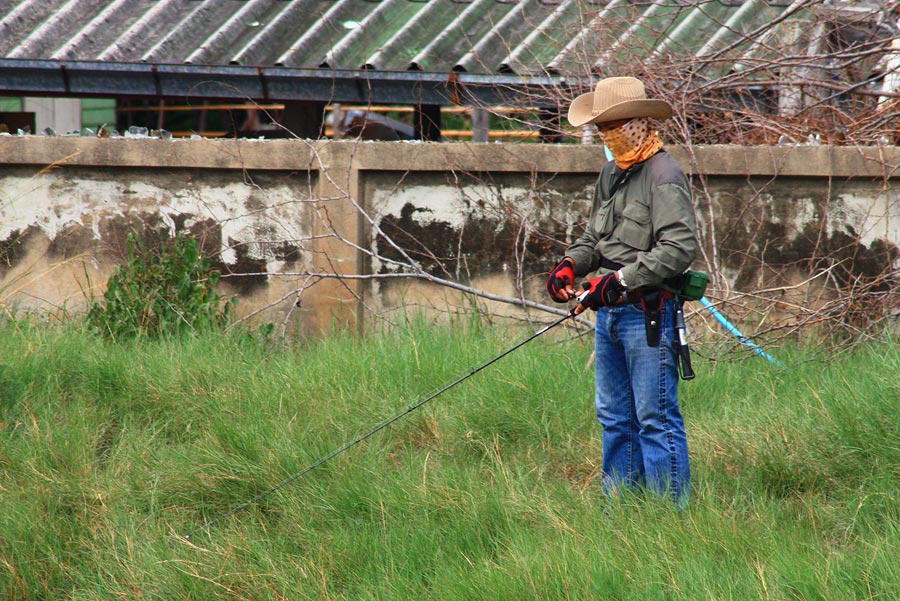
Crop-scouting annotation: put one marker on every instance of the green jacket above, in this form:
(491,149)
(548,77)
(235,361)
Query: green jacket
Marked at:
(648,226)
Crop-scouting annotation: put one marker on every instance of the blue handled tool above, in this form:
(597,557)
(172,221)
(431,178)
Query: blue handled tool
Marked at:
(737,333)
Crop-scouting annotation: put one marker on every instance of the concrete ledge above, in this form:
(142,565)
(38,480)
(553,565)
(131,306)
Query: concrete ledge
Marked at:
(290,155)
(796,161)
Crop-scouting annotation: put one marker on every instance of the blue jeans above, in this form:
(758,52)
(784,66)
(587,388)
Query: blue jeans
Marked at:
(644,442)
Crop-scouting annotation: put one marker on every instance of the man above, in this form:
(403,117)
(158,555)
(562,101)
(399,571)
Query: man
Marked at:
(641,234)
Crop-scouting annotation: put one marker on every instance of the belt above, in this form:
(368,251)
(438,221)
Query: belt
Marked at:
(636,296)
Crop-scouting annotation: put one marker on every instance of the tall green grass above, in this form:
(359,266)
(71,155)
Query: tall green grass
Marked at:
(109,453)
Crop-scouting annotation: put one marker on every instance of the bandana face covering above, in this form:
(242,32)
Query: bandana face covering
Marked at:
(632,143)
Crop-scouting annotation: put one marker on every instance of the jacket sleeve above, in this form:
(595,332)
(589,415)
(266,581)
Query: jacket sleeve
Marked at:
(584,250)
(675,244)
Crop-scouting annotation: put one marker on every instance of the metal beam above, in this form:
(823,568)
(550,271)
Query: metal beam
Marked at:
(163,81)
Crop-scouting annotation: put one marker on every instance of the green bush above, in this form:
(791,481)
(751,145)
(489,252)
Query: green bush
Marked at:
(164,291)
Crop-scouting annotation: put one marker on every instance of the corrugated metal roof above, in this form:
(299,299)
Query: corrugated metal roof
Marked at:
(437,35)
(524,38)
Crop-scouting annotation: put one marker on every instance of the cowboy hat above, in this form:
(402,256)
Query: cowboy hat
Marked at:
(616,98)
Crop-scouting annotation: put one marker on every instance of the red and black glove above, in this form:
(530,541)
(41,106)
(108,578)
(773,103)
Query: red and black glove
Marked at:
(562,275)
(604,291)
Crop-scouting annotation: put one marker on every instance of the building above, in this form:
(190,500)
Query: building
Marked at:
(297,61)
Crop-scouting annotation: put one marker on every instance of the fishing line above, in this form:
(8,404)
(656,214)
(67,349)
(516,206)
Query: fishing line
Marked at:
(326,458)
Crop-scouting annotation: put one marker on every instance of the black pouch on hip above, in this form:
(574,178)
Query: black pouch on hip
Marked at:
(651,303)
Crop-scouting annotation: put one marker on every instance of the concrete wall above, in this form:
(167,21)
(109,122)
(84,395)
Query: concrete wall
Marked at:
(279,214)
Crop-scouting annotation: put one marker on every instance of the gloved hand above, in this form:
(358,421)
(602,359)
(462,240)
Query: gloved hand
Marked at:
(562,277)
(604,291)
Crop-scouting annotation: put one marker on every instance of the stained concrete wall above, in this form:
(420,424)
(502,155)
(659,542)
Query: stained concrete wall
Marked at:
(278,214)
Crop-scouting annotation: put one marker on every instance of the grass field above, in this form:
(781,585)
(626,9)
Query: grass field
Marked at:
(110,453)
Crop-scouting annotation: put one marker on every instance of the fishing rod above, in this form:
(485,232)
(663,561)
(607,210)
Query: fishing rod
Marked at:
(326,458)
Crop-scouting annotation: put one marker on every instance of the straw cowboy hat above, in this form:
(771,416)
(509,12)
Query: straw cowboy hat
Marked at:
(616,98)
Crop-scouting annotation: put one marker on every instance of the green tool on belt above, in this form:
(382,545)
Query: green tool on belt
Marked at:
(690,287)
(692,284)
